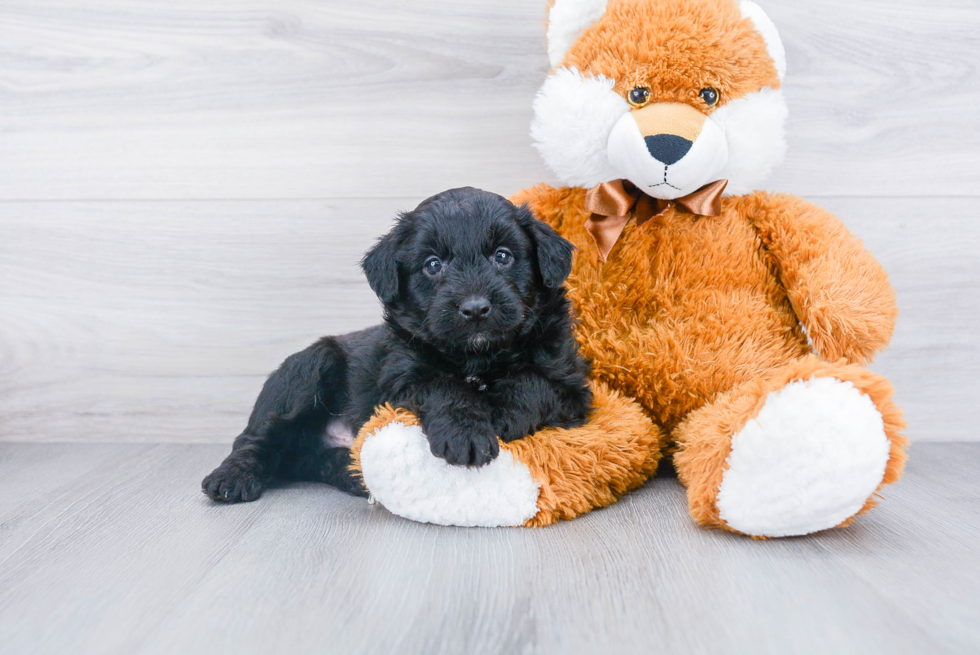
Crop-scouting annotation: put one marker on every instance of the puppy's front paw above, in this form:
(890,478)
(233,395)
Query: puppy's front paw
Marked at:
(464,446)
(510,431)
(235,482)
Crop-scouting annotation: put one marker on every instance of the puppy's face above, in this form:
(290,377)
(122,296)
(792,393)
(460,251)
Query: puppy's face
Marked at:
(466,269)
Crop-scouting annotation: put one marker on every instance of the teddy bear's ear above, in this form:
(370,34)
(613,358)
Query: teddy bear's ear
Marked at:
(764,26)
(567,19)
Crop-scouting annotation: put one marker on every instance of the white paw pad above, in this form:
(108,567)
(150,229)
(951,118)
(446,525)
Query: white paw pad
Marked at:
(403,475)
(809,461)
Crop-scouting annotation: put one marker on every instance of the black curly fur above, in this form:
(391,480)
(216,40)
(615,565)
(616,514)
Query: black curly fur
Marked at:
(469,380)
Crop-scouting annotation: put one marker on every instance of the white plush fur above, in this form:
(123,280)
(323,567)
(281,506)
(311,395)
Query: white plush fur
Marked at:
(809,461)
(573,116)
(755,129)
(403,475)
(764,26)
(566,22)
(630,158)
(574,119)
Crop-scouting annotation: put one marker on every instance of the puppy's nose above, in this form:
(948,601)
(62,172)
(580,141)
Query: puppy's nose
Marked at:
(668,148)
(475,308)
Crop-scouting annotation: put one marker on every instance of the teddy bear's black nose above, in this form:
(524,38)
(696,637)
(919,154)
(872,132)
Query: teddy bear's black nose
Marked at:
(668,148)
(475,308)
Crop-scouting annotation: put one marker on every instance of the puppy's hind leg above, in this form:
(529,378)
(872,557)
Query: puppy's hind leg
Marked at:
(329,465)
(287,423)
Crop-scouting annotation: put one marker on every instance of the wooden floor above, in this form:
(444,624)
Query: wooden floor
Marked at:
(111,548)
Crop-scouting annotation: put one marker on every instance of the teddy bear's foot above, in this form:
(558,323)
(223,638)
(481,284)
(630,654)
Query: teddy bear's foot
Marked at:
(402,474)
(793,456)
(535,481)
(811,458)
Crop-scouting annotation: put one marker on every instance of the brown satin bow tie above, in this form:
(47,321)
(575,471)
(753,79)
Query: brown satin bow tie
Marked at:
(613,204)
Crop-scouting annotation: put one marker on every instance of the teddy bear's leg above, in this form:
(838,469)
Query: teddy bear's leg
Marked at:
(551,475)
(592,466)
(800,451)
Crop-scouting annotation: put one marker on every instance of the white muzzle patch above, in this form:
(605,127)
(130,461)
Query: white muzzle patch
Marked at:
(635,158)
(587,134)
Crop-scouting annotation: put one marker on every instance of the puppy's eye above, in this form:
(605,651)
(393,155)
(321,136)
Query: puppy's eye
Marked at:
(503,257)
(639,96)
(710,96)
(432,266)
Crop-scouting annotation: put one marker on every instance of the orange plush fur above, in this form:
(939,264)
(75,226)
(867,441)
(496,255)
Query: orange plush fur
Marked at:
(693,320)
(687,307)
(699,318)
(675,49)
(703,439)
(578,469)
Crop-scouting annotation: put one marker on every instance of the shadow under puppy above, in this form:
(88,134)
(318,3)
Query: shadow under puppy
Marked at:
(477,341)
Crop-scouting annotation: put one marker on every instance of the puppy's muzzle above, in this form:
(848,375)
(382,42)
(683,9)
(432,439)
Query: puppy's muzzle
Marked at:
(475,308)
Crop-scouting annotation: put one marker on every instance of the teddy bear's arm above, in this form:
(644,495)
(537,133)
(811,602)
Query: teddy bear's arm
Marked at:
(839,291)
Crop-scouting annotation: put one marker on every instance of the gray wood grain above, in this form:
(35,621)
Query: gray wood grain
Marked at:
(111,99)
(928,247)
(158,321)
(129,557)
(140,320)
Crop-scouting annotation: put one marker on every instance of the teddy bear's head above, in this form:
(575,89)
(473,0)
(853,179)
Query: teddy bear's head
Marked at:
(668,94)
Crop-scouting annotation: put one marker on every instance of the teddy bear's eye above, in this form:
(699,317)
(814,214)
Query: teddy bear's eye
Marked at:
(710,96)
(639,96)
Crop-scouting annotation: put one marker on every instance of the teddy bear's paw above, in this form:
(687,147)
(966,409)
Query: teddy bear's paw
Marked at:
(808,461)
(403,475)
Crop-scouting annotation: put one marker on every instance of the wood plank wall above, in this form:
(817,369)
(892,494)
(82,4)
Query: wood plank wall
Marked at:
(185,187)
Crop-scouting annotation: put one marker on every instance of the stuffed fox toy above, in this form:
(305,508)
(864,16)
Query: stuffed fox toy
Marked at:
(728,328)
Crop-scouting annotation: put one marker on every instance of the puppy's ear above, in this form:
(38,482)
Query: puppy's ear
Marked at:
(380,264)
(554,253)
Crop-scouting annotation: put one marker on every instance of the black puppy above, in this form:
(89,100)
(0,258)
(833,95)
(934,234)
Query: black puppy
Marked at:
(477,342)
